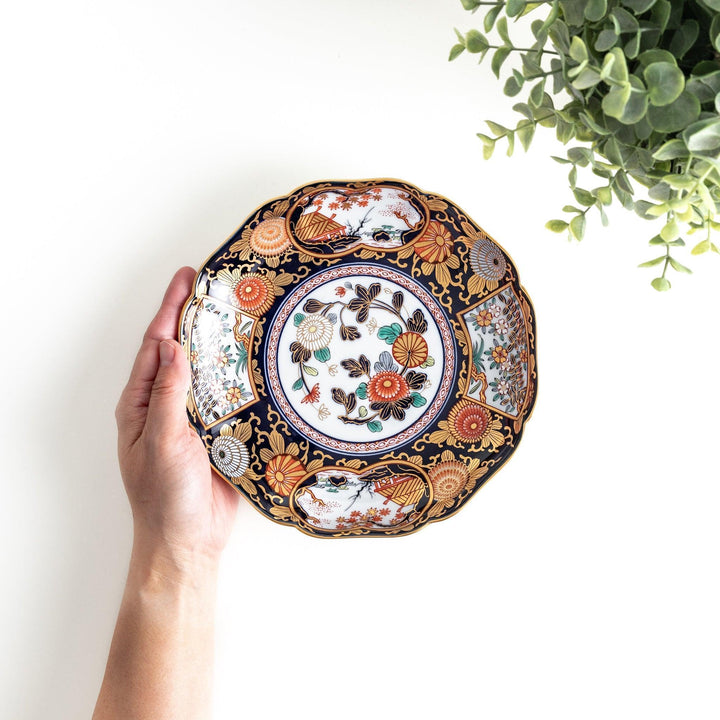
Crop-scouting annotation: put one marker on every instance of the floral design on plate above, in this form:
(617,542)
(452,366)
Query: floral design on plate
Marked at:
(499,362)
(219,346)
(383,497)
(337,220)
(362,357)
(379,357)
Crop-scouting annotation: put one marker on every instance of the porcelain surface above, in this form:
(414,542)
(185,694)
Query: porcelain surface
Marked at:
(363,358)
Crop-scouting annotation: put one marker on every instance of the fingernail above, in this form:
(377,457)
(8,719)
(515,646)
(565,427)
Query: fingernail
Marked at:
(167,353)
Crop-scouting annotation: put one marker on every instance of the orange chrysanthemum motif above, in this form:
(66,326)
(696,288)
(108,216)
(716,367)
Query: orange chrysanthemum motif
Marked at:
(283,473)
(448,479)
(270,238)
(410,349)
(436,245)
(387,386)
(253,294)
(468,422)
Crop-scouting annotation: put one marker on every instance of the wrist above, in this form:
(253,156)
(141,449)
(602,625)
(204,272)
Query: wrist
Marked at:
(160,564)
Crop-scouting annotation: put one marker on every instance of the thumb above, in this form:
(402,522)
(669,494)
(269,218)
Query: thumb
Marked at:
(167,413)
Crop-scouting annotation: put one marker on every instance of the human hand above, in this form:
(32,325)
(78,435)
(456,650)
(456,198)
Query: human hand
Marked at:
(181,508)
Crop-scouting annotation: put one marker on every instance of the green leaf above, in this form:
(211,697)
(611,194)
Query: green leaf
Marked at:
(678,267)
(675,116)
(638,6)
(578,50)
(502,28)
(322,355)
(632,46)
(637,103)
(661,284)
(560,36)
(660,15)
(684,38)
(650,263)
(471,5)
(706,87)
(577,227)
(587,78)
(310,370)
(715,32)
(623,21)
(299,317)
(573,12)
(297,384)
(556,226)
(593,125)
(524,109)
(604,195)
(615,66)
(498,58)
(362,411)
(375,426)
(656,55)
(613,104)
(584,197)
(665,81)
(536,94)
(499,130)
(670,150)
(605,40)
(456,50)
(514,8)
(581,156)
(491,16)
(701,247)
(670,231)
(595,10)
(361,391)
(525,132)
(512,86)
(417,399)
(703,136)
(476,42)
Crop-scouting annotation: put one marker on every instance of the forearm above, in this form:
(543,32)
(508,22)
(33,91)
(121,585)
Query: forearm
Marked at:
(161,657)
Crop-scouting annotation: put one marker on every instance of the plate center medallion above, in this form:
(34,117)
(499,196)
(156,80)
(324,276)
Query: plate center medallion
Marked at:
(360,358)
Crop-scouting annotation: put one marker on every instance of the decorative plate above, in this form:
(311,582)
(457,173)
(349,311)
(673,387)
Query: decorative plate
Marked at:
(363,358)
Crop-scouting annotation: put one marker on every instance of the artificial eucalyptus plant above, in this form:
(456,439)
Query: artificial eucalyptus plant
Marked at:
(634,87)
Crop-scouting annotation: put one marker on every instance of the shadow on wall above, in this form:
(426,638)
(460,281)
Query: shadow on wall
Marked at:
(79,596)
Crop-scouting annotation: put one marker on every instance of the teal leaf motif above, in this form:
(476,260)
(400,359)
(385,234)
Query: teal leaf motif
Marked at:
(322,355)
(389,333)
(375,426)
(417,399)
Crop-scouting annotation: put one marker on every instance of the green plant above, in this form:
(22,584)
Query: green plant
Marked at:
(639,84)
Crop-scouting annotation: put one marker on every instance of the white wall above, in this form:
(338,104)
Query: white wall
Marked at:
(581,582)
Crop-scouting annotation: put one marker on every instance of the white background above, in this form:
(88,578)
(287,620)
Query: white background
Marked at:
(581,582)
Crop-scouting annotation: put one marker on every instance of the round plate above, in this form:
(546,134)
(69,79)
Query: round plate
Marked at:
(363,358)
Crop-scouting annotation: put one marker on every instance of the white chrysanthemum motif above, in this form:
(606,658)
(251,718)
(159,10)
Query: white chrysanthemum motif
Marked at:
(230,455)
(315,332)
(487,260)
